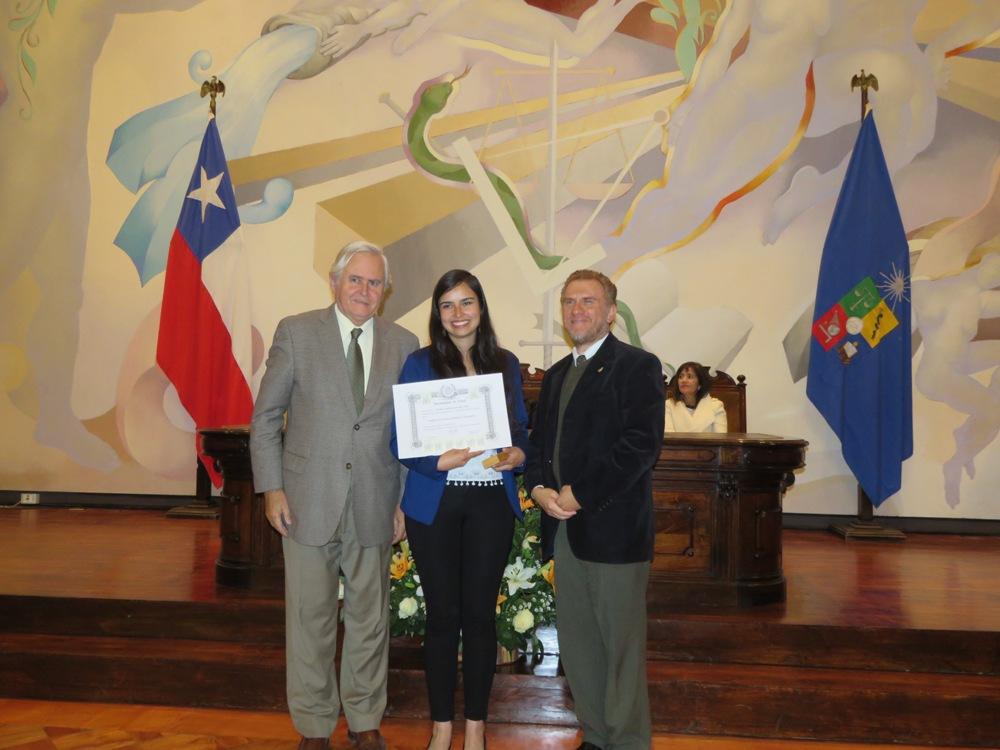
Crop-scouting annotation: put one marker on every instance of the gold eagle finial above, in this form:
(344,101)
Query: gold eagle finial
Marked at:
(214,87)
(865,81)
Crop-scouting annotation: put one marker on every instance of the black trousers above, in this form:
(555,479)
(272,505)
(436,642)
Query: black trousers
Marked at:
(460,558)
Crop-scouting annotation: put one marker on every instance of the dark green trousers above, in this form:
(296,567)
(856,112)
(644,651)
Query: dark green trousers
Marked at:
(601,621)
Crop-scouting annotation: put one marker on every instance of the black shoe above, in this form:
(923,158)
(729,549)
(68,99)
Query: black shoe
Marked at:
(588,746)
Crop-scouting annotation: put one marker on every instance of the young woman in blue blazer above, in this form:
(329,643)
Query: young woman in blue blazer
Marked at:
(460,514)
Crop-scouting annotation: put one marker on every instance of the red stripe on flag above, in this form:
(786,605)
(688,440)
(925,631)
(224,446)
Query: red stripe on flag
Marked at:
(195,350)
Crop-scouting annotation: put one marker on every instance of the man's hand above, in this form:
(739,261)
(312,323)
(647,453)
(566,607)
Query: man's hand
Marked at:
(547,499)
(567,500)
(343,39)
(398,526)
(277,512)
(456,458)
(515,457)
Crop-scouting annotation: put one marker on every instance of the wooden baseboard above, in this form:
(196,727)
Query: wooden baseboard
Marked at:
(798,521)
(906,524)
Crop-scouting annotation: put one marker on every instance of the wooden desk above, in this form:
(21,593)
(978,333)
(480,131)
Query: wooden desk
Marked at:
(717,501)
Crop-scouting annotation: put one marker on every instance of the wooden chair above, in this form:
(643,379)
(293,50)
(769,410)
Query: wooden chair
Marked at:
(732,394)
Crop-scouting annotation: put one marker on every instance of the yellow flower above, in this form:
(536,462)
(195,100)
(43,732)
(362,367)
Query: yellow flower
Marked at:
(501,598)
(526,502)
(549,573)
(400,565)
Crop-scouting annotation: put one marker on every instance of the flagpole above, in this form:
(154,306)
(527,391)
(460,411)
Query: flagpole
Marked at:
(204,505)
(865,527)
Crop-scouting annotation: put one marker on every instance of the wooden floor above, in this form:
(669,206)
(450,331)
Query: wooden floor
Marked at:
(877,642)
(927,582)
(40,725)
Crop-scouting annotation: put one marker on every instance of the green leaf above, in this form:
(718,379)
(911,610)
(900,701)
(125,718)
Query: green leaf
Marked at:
(16,24)
(661,16)
(686,51)
(52,7)
(692,11)
(670,6)
(29,65)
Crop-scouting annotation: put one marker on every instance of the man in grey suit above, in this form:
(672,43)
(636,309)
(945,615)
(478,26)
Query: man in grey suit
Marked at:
(331,489)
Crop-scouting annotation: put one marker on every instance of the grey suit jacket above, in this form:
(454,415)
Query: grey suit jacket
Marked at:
(328,448)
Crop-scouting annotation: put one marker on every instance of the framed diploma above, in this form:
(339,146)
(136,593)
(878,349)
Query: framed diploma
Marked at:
(437,415)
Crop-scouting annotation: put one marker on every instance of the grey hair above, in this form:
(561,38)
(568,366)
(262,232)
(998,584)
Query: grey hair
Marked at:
(351,249)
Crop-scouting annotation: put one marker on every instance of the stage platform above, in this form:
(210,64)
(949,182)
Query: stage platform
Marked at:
(877,641)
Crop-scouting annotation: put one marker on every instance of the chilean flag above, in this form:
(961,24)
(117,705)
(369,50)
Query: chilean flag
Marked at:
(204,343)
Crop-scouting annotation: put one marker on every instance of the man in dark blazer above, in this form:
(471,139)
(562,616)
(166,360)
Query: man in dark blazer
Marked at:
(332,489)
(597,435)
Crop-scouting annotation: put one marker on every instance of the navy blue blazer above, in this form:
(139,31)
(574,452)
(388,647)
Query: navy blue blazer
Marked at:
(611,438)
(424,483)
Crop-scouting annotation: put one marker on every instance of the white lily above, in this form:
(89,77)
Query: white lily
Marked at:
(518,576)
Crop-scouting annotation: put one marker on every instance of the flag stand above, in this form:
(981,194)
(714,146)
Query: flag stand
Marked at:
(865,526)
(183,316)
(203,506)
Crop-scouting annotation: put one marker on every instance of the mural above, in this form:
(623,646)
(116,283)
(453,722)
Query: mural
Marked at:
(691,150)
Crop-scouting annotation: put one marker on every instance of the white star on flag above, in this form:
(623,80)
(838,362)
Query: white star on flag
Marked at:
(208,192)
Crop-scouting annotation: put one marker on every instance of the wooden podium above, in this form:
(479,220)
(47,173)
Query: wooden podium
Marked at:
(717,501)
(250,556)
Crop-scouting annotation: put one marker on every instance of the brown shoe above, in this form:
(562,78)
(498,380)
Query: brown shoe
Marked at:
(314,743)
(369,740)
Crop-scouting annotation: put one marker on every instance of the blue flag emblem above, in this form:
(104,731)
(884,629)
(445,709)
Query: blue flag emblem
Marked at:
(859,364)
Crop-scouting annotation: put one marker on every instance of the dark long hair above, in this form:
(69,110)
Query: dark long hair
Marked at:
(487,356)
(704,382)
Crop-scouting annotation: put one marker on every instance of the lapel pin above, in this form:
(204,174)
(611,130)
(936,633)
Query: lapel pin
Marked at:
(601,368)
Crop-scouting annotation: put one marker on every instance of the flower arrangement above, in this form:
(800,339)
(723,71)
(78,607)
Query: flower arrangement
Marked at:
(407,610)
(525,601)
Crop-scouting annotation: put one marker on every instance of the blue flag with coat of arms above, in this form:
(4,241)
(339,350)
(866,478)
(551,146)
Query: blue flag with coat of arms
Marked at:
(859,362)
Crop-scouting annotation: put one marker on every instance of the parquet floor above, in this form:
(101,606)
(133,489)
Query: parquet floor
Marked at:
(51,725)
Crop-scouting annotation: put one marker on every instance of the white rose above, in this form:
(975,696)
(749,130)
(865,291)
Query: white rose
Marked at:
(523,621)
(407,607)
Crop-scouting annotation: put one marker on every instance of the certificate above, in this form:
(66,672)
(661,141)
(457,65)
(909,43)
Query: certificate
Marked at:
(436,415)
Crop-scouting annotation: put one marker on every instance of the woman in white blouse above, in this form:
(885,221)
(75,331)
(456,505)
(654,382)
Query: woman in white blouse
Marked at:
(689,407)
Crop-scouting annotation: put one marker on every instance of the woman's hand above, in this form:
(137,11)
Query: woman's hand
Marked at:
(515,457)
(455,458)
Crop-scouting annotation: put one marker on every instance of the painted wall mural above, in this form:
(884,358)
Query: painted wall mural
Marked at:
(690,149)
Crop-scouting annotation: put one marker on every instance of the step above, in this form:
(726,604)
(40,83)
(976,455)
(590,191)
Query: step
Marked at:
(142,670)
(739,640)
(825,704)
(236,620)
(696,698)
(717,638)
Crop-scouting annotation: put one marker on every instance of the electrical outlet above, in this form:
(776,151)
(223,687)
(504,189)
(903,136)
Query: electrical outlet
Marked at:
(30,498)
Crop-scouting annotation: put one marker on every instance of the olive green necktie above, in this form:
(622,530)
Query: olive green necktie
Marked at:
(356,368)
